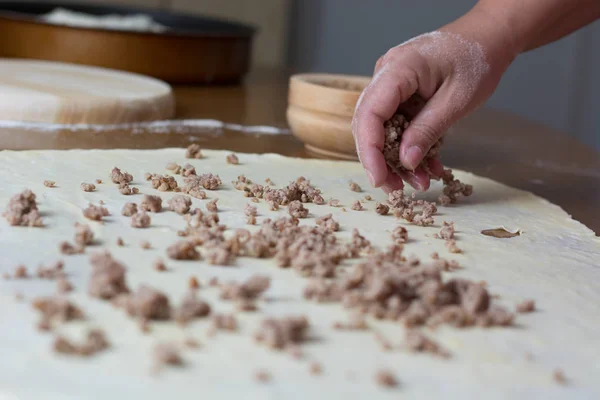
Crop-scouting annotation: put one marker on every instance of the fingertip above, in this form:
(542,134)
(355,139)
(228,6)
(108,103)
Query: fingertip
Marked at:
(412,157)
(418,179)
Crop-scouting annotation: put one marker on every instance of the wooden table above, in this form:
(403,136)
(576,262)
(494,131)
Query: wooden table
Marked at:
(489,143)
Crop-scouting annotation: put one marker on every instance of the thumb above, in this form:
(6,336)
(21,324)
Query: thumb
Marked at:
(428,126)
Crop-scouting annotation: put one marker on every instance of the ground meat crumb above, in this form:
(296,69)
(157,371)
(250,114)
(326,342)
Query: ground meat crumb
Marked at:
(118,177)
(328,223)
(526,306)
(214,282)
(50,184)
(88,187)
(63,286)
(386,378)
(269,182)
(246,293)
(129,209)
(232,159)
(151,203)
(194,151)
(559,377)
(368,198)
(159,265)
(447,231)
(127,190)
(250,210)
(163,183)
(354,187)
(183,250)
(435,256)
(279,333)
(316,368)
(382,209)
(21,272)
(167,354)
(452,247)
(191,343)
(98,181)
(84,236)
(180,204)
(146,245)
(251,220)
(22,210)
(173,167)
(400,235)
(146,303)
(262,376)
(107,278)
(141,220)
(120,242)
(357,323)
(95,342)
(453,188)
(191,307)
(225,322)
(53,271)
(57,309)
(211,206)
(193,184)
(333,202)
(69,249)
(357,206)
(418,342)
(95,213)
(218,256)
(193,283)
(297,210)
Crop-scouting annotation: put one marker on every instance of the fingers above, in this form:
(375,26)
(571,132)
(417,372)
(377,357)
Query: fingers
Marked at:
(425,130)
(418,179)
(392,182)
(378,103)
(436,167)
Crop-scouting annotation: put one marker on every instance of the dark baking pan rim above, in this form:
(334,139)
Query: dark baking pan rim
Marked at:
(179,24)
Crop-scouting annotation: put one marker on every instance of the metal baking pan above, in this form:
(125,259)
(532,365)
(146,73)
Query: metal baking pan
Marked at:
(194,49)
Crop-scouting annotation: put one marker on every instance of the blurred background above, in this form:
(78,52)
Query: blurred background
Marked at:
(558,85)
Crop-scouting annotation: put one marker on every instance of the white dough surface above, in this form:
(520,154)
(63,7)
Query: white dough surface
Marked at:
(555,261)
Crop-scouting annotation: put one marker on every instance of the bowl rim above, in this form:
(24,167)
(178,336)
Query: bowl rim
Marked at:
(308,79)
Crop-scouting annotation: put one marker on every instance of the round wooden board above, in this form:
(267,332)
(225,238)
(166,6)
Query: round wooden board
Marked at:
(41,91)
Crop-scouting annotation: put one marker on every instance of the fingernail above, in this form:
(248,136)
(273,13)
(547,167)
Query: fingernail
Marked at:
(370,177)
(414,182)
(412,157)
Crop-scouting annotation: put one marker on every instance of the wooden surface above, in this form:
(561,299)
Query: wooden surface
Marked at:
(489,143)
(48,92)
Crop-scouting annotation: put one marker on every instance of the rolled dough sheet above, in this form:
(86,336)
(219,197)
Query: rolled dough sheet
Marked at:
(554,261)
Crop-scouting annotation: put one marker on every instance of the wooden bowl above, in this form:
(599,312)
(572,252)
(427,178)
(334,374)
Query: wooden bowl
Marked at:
(194,50)
(320,111)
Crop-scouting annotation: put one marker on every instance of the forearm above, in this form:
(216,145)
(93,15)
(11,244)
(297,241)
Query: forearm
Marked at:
(534,23)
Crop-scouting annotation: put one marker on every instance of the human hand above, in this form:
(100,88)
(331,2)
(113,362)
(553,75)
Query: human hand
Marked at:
(454,70)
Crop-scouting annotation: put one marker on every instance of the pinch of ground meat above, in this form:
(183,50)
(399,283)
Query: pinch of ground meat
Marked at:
(88,187)
(368,198)
(191,307)
(225,322)
(382,209)
(49,184)
(333,202)
(167,354)
(22,210)
(232,159)
(297,210)
(250,210)
(141,220)
(357,206)
(418,342)
(127,190)
(328,223)
(129,209)
(280,333)
(84,235)
(218,256)
(180,204)
(183,250)
(163,183)
(21,272)
(95,342)
(447,231)
(386,378)
(194,151)
(211,206)
(422,220)
(173,167)
(120,177)
(526,306)
(57,308)
(148,303)
(400,234)
(67,248)
(452,247)
(95,213)
(53,271)
(108,277)
(188,170)
(151,203)
(354,187)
